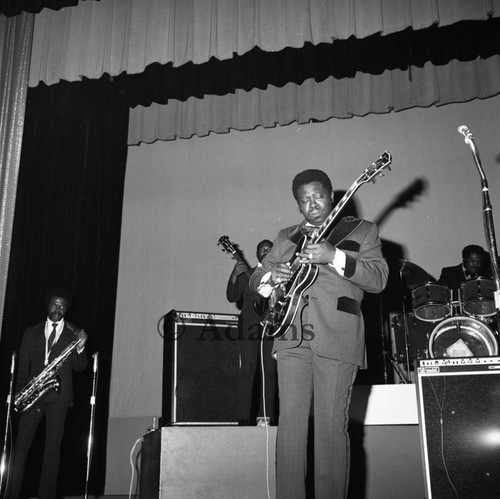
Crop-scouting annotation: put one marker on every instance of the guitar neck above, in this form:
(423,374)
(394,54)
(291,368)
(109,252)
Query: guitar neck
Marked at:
(330,221)
(241,259)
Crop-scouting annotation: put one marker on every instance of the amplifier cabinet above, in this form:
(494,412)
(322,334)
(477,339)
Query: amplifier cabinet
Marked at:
(459,413)
(200,368)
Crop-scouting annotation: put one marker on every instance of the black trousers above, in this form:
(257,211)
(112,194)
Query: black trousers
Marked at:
(251,346)
(55,418)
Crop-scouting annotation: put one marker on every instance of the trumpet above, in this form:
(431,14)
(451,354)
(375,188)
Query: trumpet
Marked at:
(45,382)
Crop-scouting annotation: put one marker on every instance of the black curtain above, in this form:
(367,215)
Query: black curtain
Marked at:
(67,232)
(15,7)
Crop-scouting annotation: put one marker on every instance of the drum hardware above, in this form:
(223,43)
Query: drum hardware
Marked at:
(400,371)
(411,276)
(410,338)
(431,302)
(462,337)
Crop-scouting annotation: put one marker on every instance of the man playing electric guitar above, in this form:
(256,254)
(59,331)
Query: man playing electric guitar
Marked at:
(323,348)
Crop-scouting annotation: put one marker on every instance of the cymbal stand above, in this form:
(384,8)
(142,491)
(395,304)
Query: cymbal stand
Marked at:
(92,417)
(3,461)
(489,227)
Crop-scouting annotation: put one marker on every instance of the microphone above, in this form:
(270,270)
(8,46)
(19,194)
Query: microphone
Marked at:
(95,362)
(465,131)
(13,363)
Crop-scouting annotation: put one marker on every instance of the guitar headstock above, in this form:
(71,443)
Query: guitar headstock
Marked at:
(376,168)
(226,244)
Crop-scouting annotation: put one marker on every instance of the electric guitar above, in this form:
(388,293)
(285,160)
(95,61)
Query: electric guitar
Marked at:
(284,299)
(260,306)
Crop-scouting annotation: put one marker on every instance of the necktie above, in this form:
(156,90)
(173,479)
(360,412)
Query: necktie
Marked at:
(52,336)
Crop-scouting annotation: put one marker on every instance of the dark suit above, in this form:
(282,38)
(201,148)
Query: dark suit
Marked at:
(53,405)
(453,277)
(320,354)
(249,345)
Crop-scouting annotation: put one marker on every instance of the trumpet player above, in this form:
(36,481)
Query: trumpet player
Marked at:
(41,353)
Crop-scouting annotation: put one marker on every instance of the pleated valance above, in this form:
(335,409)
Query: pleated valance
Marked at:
(117,36)
(393,90)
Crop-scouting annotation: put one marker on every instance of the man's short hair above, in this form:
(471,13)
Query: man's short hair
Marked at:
(308,176)
(472,248)
(264,242)
(59,292)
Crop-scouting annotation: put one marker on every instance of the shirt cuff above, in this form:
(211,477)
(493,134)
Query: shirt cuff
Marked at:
(338,262)
(265,289)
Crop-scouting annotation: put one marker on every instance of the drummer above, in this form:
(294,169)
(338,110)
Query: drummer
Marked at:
(475,263)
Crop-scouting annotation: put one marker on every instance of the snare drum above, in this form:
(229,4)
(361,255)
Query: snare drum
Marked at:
(431,302)
(462,337)
(478,297)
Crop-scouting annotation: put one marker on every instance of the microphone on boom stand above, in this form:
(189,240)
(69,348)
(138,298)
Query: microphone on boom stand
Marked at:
(489,228)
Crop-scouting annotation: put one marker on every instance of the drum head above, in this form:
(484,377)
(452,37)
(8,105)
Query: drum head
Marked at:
(462,337)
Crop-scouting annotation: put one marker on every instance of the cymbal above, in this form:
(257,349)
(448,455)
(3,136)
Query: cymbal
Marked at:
(414,275)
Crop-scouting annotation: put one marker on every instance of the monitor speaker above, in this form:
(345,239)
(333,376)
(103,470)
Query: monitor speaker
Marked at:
(459,408)
(200,368)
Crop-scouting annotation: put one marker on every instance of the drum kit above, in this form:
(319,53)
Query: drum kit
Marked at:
(444,323)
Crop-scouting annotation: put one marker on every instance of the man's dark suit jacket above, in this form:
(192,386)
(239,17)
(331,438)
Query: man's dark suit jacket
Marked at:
(453,277)
(32,355)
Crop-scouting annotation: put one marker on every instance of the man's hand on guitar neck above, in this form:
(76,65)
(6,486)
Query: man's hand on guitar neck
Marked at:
(239,269)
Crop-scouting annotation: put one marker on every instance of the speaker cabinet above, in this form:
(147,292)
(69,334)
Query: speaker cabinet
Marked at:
(200,368)
(208,462)
(459,408)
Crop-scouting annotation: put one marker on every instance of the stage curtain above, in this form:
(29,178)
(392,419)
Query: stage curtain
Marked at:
(393,90)
(116,36)
(67,232)
(15,50)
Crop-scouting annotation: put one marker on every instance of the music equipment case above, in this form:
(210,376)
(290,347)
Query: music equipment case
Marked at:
(459,414)
(200,368)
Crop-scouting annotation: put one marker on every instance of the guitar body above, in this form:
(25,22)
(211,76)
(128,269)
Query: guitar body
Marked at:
(286,298)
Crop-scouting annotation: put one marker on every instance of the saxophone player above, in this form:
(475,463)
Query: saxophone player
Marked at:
(40,346)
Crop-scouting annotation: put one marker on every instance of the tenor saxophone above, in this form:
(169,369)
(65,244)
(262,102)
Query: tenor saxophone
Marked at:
(45,382)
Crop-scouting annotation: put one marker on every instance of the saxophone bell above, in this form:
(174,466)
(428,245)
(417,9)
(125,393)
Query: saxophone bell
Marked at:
(24,405)
(44,382)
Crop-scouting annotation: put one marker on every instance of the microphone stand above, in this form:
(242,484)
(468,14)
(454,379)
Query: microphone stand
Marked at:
(405,379)
(91,429)
(489,228)
(3,462)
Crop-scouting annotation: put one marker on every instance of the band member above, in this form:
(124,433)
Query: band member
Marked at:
(251,343)
(319,355)
(475,261)
(40,345)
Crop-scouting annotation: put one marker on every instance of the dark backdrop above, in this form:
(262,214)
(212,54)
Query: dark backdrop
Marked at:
(70,191)
(67,232)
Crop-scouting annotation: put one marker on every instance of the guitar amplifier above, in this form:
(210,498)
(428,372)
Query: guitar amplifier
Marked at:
(200,368)
(459,408)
